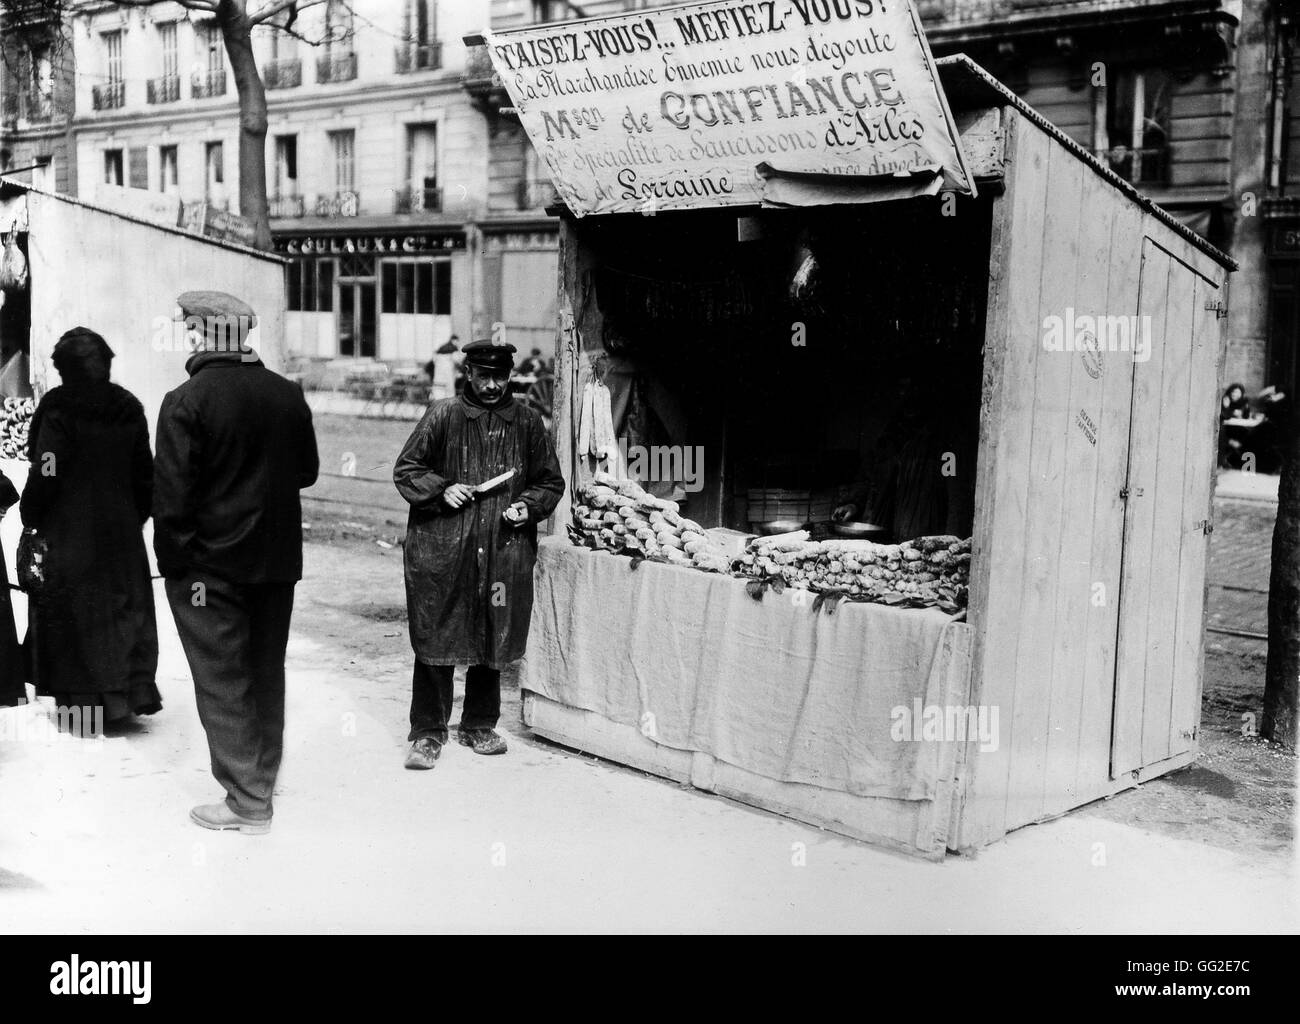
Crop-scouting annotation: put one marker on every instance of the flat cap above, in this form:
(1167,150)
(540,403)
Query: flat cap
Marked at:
(490,355)
(207,304)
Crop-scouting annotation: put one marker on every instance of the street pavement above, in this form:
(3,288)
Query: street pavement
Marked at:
(1241,553)
(94,837)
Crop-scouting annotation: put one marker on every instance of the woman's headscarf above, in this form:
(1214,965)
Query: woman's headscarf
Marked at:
(82,356)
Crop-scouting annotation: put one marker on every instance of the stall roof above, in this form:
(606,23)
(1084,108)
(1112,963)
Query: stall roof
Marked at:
(969,86)
(8,187)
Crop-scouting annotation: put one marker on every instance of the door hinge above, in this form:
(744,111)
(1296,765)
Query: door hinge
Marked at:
(1216,306)
(1205,526)
(1125,493)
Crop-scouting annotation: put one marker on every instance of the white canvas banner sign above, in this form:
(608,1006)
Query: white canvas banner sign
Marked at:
(677,108)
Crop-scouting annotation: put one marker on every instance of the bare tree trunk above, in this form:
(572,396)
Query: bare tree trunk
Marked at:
(1282,676)
(237,32)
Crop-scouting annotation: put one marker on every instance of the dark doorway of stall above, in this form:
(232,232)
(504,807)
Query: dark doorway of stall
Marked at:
(812,358)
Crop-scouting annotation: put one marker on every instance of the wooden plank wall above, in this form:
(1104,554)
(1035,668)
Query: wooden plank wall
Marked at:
(1159,665)
(1202,450)
(1055,436)
(1001,499)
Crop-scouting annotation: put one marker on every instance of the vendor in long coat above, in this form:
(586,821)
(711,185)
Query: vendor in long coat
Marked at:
(469,556)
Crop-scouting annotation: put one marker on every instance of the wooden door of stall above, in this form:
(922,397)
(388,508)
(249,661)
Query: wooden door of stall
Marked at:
(1171,459)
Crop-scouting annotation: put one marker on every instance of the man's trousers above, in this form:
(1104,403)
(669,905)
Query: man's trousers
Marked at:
(234,637)
(431,696)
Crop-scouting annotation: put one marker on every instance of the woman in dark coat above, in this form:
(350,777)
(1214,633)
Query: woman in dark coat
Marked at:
(12,672)
(88,494)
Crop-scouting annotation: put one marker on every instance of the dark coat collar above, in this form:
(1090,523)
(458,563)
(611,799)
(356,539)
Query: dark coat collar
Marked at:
(506,410)
(202,360)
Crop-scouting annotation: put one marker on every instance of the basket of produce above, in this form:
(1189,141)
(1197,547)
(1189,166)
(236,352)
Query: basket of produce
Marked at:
(928,572)
(15,422)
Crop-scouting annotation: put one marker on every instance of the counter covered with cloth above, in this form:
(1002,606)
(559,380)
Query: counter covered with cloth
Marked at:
(774,687)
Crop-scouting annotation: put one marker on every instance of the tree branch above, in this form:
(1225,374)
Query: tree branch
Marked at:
(279,6)
(192,5)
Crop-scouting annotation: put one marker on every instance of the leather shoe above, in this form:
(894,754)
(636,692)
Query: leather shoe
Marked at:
(423,753)
(220,816)
(483,741)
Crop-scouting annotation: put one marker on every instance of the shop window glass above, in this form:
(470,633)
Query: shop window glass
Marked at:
(295,286)
(442,288)
(325,285)
(388,274)
(405,286)
(424,287)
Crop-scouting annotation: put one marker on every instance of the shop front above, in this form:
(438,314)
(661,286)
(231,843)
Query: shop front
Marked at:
(384,295)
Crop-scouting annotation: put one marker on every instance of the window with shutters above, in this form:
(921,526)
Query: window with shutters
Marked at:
(339,27)
(138,166)
(111,92)
(286,165)
(212,36)
(1131,124)
(421,49)
(168,170)
(113,57)
(215,173)
(113,167)
(343,146)
(171,65)
(283,45)
(421,192)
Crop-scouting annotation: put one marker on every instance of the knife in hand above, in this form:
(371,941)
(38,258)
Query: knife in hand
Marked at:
(496,481)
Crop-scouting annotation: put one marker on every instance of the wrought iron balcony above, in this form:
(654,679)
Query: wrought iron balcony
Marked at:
(481,81)
(287,206)
(419,57)
(207,85)
(988,10)
(163,90)
(336,67)
(108,97)
(1148,166)
(950,14)
(28,107)
(18,14)
(337,204)
(417,200)
(282,74)
(536,195)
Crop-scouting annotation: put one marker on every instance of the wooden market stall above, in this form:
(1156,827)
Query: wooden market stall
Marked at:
(1082,472)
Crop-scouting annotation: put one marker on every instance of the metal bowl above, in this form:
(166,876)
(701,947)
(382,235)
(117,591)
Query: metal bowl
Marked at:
(779,526)
(859,531)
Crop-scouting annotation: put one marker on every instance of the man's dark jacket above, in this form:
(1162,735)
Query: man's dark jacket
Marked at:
(234,445)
